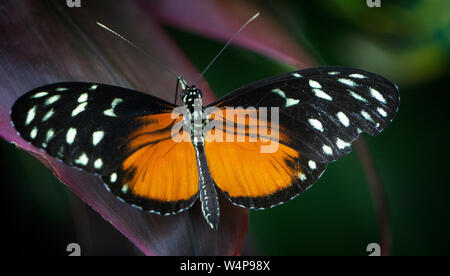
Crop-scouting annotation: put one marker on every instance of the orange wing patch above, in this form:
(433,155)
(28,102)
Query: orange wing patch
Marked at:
(165,171)
(158,168)
(240,169)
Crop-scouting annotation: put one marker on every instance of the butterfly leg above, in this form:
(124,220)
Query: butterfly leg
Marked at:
(207,189)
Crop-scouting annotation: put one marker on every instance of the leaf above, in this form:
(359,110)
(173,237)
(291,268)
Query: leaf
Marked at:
(221,19)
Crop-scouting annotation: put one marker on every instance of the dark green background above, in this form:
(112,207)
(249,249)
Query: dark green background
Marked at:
(407,42)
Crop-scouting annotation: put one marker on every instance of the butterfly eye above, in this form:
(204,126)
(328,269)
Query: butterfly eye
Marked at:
(198,92)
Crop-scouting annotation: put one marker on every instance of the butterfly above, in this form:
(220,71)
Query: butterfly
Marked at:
(127,137)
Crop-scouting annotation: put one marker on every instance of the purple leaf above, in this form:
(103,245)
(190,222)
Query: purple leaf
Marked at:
(221,19)
(43,42)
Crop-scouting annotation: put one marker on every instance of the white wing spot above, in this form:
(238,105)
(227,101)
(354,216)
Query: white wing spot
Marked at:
(382,112)
(52,99)
(40,94)
(30,116)
(377,95)
(33,133)
(97,137)
(312,164)
(83,160)
(343,118)
(279,92)
(93,87)
(110,112)
(319,93)
(80,108)
(316,124)
(301,176)
(289,101)
(50,134)
(48,115)
(357,96)
(113,177)
(124,189)
(327,150)
(357,76)
(341,144)
(333,73)
(61,151)
(366,115)
(314,84)
(297,75)
(83,97)
(98,163)
(70,136)
(116,102)
(61,89)
(347,82)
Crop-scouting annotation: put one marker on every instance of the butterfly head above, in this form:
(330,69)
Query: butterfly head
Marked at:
(190,94)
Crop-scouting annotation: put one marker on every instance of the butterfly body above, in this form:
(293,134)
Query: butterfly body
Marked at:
(128,138)
(192,101)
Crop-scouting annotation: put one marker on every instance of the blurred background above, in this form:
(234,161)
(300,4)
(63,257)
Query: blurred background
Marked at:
(408,42)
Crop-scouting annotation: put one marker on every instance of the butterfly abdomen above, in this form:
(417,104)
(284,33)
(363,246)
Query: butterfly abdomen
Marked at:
(207,190)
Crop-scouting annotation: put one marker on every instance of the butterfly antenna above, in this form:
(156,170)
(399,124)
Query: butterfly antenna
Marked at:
(139,49)
(182,82)
(226,45)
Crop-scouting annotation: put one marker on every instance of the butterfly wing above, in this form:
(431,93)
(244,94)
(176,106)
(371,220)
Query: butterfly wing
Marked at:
(321,112)
(120,134)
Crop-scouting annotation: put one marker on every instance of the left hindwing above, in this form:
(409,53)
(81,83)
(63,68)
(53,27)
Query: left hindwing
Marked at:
(321,112)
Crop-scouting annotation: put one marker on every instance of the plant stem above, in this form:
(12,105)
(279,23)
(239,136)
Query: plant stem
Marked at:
(378,195)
